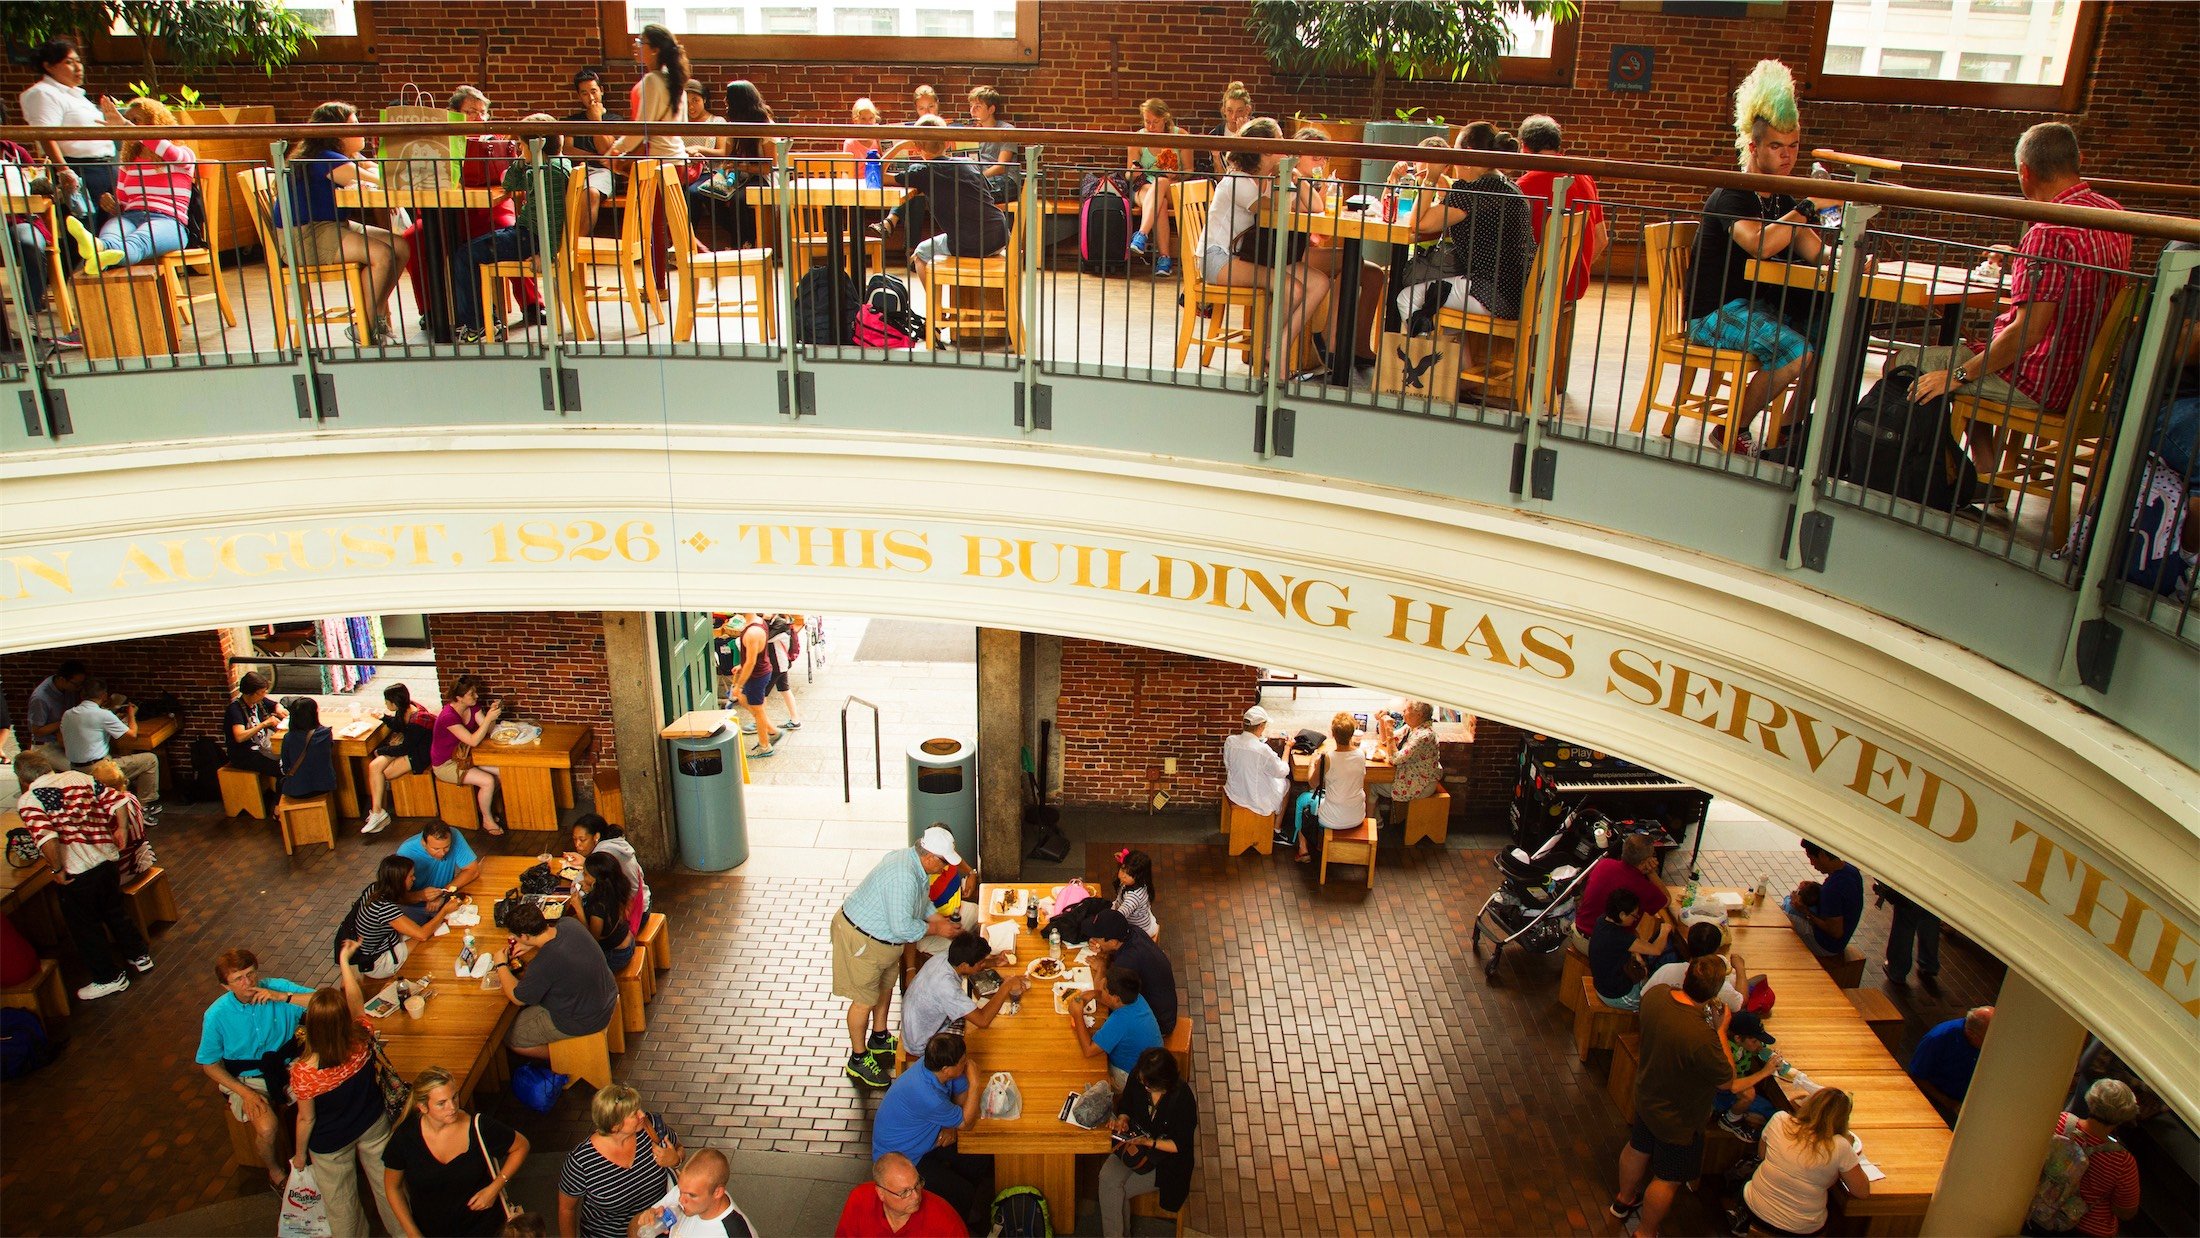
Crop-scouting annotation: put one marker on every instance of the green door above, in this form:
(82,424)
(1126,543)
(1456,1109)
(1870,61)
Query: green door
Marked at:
(690,674)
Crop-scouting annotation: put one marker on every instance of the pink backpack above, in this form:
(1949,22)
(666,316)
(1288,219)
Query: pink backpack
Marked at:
(873,330)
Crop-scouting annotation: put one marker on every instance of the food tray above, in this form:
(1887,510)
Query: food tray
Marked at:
(1008,904)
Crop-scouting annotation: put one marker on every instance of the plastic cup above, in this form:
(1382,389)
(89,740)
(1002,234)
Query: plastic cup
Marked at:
(416,1005)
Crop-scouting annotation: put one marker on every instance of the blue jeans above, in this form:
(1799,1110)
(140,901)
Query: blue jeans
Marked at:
(143,235)
(502,245)
(30,246)
(2176,429)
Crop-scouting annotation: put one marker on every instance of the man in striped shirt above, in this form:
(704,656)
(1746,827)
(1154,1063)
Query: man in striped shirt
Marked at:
(78,825)
(2060,286)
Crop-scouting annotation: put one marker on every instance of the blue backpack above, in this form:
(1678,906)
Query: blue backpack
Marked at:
(23,1044)
(1021,1212)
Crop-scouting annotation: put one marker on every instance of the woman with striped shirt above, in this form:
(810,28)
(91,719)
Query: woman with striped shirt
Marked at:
(386,933)
(151,205)
(620,1171)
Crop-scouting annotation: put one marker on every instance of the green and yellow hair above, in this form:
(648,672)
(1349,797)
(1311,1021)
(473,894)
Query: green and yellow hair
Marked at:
(1764,101)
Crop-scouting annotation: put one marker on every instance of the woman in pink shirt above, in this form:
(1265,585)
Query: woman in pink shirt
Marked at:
(463,725)
(151,205)
(864,112)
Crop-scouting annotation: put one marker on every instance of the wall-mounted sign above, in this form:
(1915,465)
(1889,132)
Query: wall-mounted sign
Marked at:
(1631,66)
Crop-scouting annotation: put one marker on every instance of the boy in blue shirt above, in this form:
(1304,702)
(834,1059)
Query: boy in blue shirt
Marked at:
(1825,913)
(242,1037)
(1127,1025)
(441,862)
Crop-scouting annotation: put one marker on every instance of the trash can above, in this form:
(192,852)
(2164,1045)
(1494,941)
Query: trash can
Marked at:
(943,790)
(707,808)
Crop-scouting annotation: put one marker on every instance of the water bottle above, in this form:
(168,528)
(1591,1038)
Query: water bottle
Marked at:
(1054,943)
(874,176)
(466,950)
(1829,215)
(1688,896)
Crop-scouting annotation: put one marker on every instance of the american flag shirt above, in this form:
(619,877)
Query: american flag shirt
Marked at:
(79,812)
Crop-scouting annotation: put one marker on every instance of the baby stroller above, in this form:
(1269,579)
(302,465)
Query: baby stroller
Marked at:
(1539,890)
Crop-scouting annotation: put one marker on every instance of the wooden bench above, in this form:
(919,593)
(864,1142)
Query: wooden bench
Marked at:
(244,1146)
(43,995)
(1596,1025)
(244,793)
(1353,846)
(589,1057)
(1626,1063)
(1576,968)
(307,821)
(151,901)
(1429,817)
(413,795)
(610,804)
(657,939)
(456,805)
(1876,1007)
(1848,970)
(634,984)
(1245,830)
(1179,1044)
(1149,1205)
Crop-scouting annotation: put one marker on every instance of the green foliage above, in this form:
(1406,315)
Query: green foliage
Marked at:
(197,35)
(1412,40)
(184,97)
(1407,115)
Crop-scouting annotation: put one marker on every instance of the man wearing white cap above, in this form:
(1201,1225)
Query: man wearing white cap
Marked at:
(1255,776)
(892,908)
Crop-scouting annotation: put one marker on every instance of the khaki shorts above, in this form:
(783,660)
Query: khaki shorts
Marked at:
(449,772)
(533,1029)
(236,1102)
(322,243)
(862,967)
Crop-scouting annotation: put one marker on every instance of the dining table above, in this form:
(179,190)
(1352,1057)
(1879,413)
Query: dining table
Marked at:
(1352,229)
(441,211)
(152,736)
(843,201)
(1944,291)
(537,777)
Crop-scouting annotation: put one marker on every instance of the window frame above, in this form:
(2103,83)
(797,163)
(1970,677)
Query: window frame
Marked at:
(2069,96)
(1023,49)
(1556,69)
(115,50)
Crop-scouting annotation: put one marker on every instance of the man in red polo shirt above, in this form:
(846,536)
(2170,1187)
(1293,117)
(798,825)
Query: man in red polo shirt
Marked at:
(894,1204)
(2061,284)
(1540,135)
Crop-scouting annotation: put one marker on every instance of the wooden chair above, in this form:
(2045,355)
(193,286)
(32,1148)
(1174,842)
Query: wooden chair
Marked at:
(960,295)
(1429,818)
(589,1057)
(244,1148)
(1353,846)
(43,994)
(57,278)
(413,795)
(1876,1008)
(692,268)
(456,804)
(257,186)
(610,804)
(1245,830)
(1149,1205)
(1596,1025)
(1250,340)
(658,938)
(244,793)
(626,256)
(1179,1044)
(494,274)
(1626,1064)
(1505,371)
(1666,249)
(2047,452)
(151,901)
(203,259)
(812,218)
(307,821)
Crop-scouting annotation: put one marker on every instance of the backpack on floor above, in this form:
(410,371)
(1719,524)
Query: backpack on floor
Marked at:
(1895,445)
(1021,1212)
(24,1047)
(887,319)
(207,759)
(1103,226)
(817,318)
(2056,1205)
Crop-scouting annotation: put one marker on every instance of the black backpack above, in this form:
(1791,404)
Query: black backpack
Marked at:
(1021,1212)
(825,302)
(24,1048)
(1895,445)
(1075,922)
(207,759)
(347,929)
(888,297)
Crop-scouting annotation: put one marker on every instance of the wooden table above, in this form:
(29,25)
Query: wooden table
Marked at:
(153,736)
(843,199)
(441,211)
(1919,285)
(1037,1046)
(464,1027)
(18,886)
(346,752)
(1353,229)
(1379,768)
(538,777)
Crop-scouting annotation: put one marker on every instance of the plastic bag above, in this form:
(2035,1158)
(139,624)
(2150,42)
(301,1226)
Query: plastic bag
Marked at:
(538,1087)
(303,1214)
(1095,1107)
(1002,1099)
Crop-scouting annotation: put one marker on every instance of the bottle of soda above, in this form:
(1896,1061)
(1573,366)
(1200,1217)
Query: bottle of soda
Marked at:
(1031,915)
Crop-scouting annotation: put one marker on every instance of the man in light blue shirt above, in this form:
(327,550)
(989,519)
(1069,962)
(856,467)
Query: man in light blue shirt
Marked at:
(891,909)
(252,1019)
(938,1000)
(441,862)
(1127,1027)
(88,732)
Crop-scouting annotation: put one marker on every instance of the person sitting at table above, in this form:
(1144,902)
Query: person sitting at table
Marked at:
(1158,1117)
(601,901)
(444,1172)
(319,166)
(557,971)
(1126,1027)
(387,927)
(2105,1189)
(701,151)
(248,1032)
(1684,1064)
(1619,955)
(1725,309)
(340,1117)
(1825,913)
(894,1204)
(1701,938)
(891,908)
(1411,748)
(591,834)
(443,863)
(88,732)
(1236,110)
(1485,219)
(1153,169)
(308,753)
(515,242)
(54,696)
(76,825)
(862,112)
(1237,252)
(459,729)
(1749,1047)
(483,164)
(1946,1056)
(719,204)
(1326,196)
(1120,945)
(701,1208)
(149,211)
(1134,890)
(923,1112)
(616,1174)
(592,150)
(1254,775)
(938,999)
(2060,286)
(1541,135)
(959,199)
(251,720)
(1803,1154)
(1001,163)
(1636,870)
(409,732)
(1336,794)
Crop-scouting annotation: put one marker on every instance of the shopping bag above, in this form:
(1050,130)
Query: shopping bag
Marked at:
(1419,366)
(537,1086)
(420,163)
(303,1215)
(1002,1098)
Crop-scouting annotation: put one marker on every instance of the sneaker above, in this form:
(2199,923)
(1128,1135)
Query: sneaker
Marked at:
(1734,1126)
(376,822)
(93,992)
(152,812)
(1164,266)
(748,728)
(791,725)
(142,963)
(862,1067)
(758,754)
(71,342)
(882,1042)
(1139,243)
(1621,1212)
(465,335)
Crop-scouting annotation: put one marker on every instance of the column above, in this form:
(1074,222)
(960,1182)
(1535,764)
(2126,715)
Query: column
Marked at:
(1000,753)
(2008,1116)
(630,652)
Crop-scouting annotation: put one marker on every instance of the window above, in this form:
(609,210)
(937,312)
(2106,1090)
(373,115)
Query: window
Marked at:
(911,32)
(648,17)
(343,32)
(1542,52)
(2025,54)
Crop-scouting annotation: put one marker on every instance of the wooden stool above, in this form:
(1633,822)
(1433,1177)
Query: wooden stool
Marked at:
(244,793)
(658,938)
(1848,970)
(1149,1205)
(1596,1025)
(151,901)
(43,995)
(244,1147)
(633,983)
(1354,846)
(610,805)
(589,1057)
(455,803)
(1570,977)
(1626,1062)
(307,821)
(1877,1008)
(413,795)
(1245,830)
(1179,1044)
(1429,817)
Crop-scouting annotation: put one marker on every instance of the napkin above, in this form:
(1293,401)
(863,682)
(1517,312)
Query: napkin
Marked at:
(1872,1173)
(1001,935)
(484,963)
(465,917)
(443,928)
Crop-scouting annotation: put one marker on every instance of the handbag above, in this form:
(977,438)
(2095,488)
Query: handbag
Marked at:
(395,1091)
(727,184)
(495,1171)
(537,880)
(1257,245)
(1138,1160)
(501,913)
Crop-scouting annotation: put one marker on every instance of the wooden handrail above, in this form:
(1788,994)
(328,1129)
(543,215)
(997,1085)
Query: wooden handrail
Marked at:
(1958,172)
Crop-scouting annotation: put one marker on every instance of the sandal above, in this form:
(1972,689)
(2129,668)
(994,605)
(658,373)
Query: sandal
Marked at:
(760,752)
(492,829)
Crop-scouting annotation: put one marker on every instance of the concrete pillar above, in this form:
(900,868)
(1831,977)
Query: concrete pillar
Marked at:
(631,654)
(1001,727)
(2008,1116)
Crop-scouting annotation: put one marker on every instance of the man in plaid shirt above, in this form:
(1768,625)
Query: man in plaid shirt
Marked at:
(2060,286)
(77,823)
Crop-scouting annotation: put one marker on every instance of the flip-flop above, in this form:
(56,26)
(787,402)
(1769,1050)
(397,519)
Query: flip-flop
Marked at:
(492,828)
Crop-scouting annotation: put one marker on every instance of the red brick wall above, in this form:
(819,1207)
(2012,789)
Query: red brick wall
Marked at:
(1481,785)
(549,664)
(1125,710)
(192,665)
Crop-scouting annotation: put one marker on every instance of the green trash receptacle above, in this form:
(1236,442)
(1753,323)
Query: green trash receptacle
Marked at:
(943,790)
(708,810)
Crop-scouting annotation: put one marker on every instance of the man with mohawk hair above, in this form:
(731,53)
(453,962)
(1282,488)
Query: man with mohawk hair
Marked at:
(1724,307)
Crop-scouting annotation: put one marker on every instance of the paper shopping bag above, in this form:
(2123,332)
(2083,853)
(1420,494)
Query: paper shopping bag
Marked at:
(420,163)
(1419,366)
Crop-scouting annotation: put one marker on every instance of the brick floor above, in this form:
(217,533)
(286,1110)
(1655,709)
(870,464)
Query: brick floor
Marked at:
(1355,1073)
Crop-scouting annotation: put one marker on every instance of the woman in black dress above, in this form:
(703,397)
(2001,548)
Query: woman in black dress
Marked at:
(445,1171)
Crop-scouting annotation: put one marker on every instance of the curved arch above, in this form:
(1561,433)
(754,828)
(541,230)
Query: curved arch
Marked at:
(2055,839)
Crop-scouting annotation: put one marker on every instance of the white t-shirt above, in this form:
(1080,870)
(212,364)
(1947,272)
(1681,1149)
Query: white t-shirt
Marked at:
(732,1223)
(48,102)
(1676,974)
(1253,775)
(1789,1189)
(1234,208)
(1344,789)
